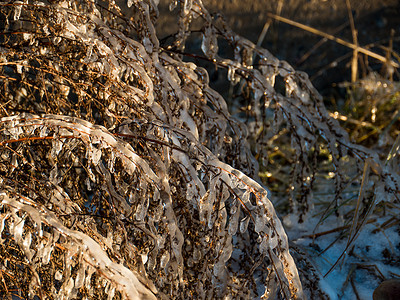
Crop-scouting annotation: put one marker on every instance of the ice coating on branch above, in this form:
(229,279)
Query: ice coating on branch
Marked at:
(92,254)
(128,158)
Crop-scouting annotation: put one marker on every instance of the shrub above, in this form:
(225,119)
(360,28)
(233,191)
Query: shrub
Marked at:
(123,174)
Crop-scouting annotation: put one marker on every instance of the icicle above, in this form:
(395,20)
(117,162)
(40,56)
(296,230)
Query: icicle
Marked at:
(54,178)
(58,275)
(173,4)
(17,9)
(3,218)
(67,288)
(17,228)
(80,277)
(43,131)
(111,293)
(26,243)
(209,45)
(164,260)
(111,162)
(187,6)
(95,155)
(141,210)
(231,73)
(56,147)
(244,223)
(14,162)
(233,222)
(47,251)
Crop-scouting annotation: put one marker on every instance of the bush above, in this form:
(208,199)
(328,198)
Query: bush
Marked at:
(123,174)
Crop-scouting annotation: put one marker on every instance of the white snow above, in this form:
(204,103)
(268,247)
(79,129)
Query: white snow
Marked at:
(362,263)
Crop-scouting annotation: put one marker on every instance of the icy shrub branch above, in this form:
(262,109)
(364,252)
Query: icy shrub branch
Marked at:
(123,174)
(209,186)
(117,175)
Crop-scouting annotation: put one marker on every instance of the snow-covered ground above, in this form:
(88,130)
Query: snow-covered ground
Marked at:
(372,258)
